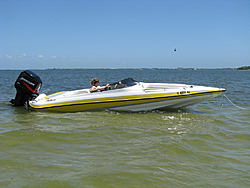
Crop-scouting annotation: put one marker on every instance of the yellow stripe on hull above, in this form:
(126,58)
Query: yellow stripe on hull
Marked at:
(112,102)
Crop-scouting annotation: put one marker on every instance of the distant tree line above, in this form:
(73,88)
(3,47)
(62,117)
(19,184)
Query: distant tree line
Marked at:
(244,68)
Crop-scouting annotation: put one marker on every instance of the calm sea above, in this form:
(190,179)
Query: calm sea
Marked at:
(205,145)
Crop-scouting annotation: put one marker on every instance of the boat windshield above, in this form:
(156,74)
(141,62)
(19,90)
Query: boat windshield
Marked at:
(122,84)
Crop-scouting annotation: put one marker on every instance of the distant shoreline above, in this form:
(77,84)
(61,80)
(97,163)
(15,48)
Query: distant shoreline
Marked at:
(179,68)
(244,68)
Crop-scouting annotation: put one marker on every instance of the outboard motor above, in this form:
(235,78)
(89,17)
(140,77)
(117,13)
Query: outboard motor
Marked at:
(27,85)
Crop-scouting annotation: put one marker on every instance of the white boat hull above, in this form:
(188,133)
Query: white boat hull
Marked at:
(170,103)
(139,97)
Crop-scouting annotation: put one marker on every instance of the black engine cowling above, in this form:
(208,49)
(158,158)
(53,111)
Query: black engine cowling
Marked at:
(27,86)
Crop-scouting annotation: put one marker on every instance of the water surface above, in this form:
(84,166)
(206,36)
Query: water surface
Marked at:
(205,145)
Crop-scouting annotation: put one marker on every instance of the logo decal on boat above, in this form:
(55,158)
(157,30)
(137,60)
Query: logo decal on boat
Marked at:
(182,92)
(27,81)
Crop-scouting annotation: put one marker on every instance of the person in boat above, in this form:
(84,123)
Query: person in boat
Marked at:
(95,82)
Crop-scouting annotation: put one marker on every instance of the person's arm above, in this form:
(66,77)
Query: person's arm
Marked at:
(104,88)
(93,89)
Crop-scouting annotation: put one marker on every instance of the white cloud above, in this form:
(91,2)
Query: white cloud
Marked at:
(40,56)
(22,55)
(8,56)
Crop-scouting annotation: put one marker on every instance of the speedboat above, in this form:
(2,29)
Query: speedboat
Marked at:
(124,95)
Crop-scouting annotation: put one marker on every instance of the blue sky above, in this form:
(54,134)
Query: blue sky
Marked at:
(124,33)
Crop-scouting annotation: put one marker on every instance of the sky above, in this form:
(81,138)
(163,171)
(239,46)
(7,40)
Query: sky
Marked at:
(40,34)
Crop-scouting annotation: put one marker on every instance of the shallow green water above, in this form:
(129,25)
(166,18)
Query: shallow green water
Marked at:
(205,145)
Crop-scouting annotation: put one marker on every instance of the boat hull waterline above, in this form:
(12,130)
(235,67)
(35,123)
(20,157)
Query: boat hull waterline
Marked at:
(137,97)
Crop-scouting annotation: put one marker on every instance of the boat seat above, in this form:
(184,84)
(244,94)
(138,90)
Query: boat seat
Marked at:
(82,91)
(76,92)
